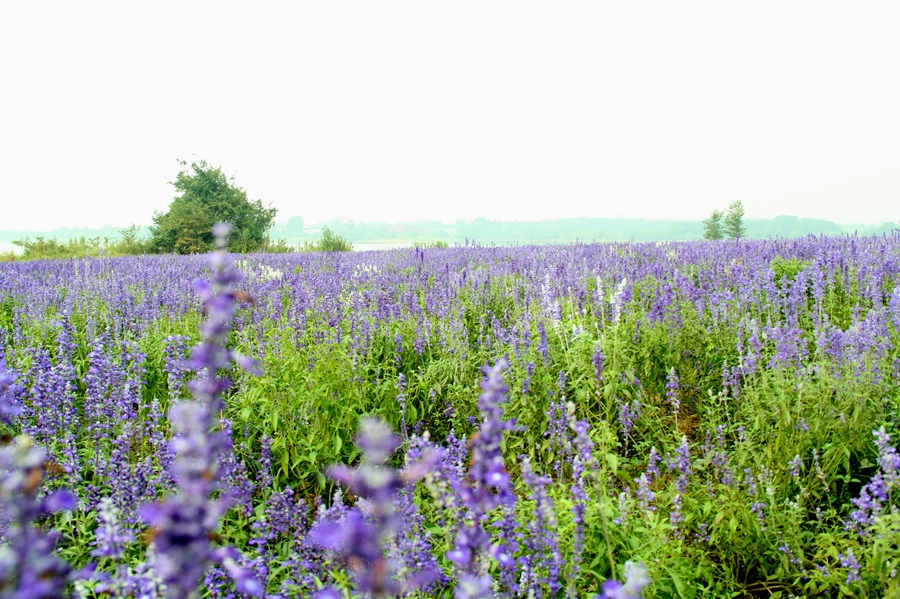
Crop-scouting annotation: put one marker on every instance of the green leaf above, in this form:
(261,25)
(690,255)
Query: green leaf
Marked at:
(613,461)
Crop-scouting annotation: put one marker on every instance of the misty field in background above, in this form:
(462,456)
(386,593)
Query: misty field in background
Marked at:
(725,413)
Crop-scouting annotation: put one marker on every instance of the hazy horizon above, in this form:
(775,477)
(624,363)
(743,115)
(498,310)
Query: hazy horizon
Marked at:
(406,111)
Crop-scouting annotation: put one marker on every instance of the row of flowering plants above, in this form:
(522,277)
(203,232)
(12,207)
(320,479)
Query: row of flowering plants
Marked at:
(650,420)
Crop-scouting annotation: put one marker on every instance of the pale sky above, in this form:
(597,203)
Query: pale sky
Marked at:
(383,110)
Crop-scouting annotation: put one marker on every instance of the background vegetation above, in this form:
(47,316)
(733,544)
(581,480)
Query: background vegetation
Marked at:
(294,234)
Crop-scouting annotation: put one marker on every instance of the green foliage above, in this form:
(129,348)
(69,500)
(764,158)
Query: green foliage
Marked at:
(279,246)
(206,197)
(432,244)
(712,226)
(130,243)
(40,248)
(787,268)
(733,225)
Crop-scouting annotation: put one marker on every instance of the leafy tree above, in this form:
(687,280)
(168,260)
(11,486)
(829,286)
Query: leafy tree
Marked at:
(712,226)
(206,197)
(734,221)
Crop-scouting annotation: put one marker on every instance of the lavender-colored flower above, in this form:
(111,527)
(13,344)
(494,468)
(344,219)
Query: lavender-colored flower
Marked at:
(750,481)
(619,299)
(558,432)
(360,537)
(488,484)
(9,391)
(759,508)
(644,495)
(794,467)
(471,586)
(401,401)
(624,511)
(542,561)
(490,481)
(888,458)
(111,538)
(329,592)
(850,562)
(526,382)
(582,465)
(220,301)
(398,349)
(597,361)
(628,413)
(785,548)
(29,565)
(636,579)
(182,523)
(874,495)
(653,462)
(682,465)
(672,391)
(702,534)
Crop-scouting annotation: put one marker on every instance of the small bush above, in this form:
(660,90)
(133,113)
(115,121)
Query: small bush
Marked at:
(329,242)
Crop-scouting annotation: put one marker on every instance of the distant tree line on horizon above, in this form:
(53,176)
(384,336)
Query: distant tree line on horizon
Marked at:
(206,196)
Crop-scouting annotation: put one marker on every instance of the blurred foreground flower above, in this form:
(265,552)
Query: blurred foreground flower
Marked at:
(29,566)
(359,538)
(635,580)
(183,523)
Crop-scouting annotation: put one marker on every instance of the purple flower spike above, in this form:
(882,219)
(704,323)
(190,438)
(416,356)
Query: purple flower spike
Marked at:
(9,401)
(672,390)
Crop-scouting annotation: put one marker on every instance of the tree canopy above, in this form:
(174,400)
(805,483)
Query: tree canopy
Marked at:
(712,226)
(208,196)
(734,221)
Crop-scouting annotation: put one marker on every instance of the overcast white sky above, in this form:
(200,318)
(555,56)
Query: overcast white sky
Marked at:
(406,110)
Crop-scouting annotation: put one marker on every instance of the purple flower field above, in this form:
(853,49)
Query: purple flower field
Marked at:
(699,419)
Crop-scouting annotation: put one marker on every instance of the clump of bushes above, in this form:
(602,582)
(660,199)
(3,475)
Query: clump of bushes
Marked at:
(329,242)
(41,248)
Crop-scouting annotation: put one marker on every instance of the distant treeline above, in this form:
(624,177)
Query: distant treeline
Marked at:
(67,233)
(293,232)
(583,229)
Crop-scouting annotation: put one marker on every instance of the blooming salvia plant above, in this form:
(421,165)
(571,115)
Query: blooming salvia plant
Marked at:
(360,536)
(182,524)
